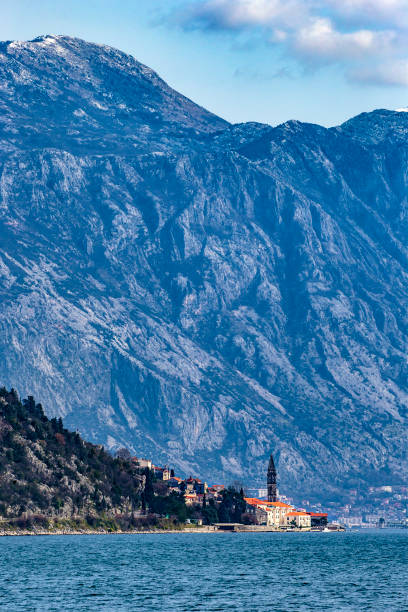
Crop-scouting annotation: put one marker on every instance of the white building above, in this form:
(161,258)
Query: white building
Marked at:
(143,463)
(299,519)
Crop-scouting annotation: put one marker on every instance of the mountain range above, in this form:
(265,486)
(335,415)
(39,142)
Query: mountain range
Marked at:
(200,292)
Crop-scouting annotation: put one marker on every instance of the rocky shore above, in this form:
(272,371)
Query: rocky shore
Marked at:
(53,532)
(201,529)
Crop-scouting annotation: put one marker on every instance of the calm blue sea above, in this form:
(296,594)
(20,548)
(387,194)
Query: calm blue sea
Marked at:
(259,571)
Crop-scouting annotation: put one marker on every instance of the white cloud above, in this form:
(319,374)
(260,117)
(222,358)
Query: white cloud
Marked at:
(368,37)
(383,12)
(321,41)
(394,73)
(238,14)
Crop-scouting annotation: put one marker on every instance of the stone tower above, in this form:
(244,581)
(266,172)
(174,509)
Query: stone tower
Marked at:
(271,481)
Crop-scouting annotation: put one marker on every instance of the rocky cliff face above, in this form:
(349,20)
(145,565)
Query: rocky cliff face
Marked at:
(200,292)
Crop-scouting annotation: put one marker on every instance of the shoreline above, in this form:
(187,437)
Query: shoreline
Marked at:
(49,532)
(59,532)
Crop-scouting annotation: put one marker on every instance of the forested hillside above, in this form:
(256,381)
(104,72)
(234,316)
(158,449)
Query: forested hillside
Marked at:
(46,469)
(51,477)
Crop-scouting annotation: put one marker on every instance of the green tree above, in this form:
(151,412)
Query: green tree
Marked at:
(210,514)
(232,506)
(148,489)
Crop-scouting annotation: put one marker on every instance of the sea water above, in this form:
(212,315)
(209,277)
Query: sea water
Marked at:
(165,572)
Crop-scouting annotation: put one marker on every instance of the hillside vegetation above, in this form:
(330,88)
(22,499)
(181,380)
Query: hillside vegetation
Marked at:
(50,478)
(49,471)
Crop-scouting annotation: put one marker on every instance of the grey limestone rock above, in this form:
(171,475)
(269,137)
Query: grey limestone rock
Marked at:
(199,292)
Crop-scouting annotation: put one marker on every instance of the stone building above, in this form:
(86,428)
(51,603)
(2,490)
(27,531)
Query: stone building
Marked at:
(161,473)
(142,463)
(272,481)
(268,513)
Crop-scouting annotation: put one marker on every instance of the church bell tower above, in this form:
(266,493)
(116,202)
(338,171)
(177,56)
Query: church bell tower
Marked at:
(271,481)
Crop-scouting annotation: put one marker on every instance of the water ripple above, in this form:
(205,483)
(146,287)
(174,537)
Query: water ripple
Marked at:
(265,572)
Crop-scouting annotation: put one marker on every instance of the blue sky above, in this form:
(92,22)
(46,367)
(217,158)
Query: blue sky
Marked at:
(247,60)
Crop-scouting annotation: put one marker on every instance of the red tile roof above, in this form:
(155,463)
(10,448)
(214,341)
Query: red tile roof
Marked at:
(255,500)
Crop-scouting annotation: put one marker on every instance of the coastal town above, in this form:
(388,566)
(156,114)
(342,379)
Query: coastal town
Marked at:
(271,512)
(40,492)
(384,506)
(40,488)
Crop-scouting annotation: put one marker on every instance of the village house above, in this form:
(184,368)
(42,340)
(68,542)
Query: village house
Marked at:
(161,473)
(200,487)
(194,485)
(214,492)
(191,498)
(188,484)
(218,488)
(142,463)
(174,482)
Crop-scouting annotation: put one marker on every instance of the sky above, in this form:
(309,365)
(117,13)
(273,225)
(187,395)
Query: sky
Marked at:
(321,61)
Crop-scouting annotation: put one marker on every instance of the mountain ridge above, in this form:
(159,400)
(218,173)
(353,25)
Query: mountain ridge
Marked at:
(224,290)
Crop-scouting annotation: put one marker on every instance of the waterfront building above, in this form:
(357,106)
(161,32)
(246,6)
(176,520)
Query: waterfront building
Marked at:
(280,510)
(264,515)
(268,513)
(318,519)
(299,519)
